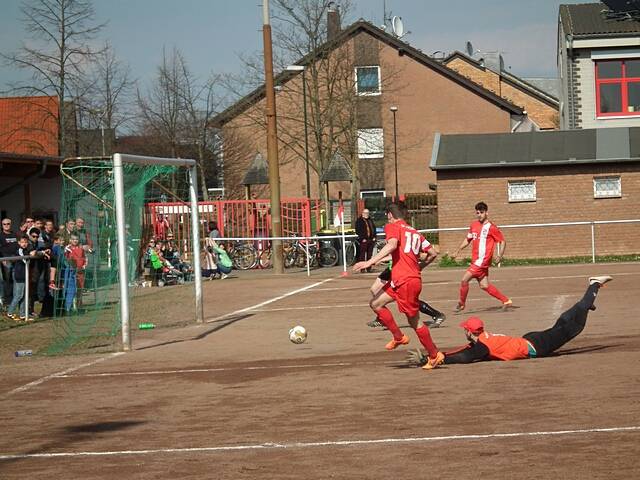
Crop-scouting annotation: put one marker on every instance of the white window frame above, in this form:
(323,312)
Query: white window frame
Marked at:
(617,193)
(366,139)
(379,92)
(513,199)
(373,193)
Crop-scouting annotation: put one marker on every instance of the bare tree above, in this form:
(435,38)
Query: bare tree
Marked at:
(178,109)
(162,107)
(111,91)
(61,31)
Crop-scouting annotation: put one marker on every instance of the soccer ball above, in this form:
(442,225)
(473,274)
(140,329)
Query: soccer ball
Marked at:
(298,334)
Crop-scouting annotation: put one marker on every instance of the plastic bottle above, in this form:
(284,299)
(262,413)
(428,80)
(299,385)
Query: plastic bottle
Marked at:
(146,326)
(24,353)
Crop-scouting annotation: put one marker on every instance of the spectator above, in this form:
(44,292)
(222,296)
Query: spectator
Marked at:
(8,248)
(66,230)
(74,278)
(208,260)
(19,276)
(224,263)
(366,231)
(27,223)
(213,230)
(161,227)
(45,244)
(85,239)
(36,266)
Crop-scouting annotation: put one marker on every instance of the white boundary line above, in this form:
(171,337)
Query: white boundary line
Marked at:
(230,369)
(267,302)
(63,373)
(338,443)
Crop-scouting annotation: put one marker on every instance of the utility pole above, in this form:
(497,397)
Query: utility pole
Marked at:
(272,143)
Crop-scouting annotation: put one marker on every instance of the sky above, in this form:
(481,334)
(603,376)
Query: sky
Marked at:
(212,33)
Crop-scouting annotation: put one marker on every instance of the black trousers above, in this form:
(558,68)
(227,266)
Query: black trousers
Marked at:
(365,249)
(568,326)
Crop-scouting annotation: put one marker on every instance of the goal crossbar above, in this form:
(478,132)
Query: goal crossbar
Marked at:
(119,159)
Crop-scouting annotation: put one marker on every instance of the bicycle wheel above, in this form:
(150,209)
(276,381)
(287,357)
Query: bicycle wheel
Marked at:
(244,257)
(352,252)
(265,259)
(328,256)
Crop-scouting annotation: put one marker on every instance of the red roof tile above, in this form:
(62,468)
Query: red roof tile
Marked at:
(29,125)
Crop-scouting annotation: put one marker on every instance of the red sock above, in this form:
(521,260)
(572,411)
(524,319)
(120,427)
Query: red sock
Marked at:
(464,291)
(494,292)
(386,317)
(425,339)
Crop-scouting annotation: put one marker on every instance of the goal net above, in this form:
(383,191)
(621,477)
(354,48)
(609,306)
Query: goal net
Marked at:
(109,277)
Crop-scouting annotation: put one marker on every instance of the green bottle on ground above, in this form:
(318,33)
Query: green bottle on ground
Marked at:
(146,326)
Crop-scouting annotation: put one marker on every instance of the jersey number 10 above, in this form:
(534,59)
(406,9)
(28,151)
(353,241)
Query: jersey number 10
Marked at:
(412,243)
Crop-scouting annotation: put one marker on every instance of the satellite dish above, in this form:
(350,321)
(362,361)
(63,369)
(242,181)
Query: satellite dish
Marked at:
(397,26)
(501,63)
(469,49)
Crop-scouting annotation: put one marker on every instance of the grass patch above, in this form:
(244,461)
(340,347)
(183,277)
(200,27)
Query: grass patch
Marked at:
(447,262)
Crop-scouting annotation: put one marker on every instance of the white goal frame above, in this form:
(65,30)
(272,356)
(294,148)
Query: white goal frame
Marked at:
(119,159)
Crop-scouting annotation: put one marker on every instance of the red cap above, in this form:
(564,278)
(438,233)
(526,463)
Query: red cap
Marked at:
(474,325)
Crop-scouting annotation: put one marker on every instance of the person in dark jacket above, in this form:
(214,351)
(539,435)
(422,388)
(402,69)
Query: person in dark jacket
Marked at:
(8,248)
(19,279)
(366,231)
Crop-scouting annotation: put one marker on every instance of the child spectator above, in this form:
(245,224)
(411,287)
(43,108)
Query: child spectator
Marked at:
(74,276)
(19,277)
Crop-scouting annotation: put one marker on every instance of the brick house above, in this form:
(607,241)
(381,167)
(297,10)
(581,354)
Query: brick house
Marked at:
(541,105)
(30,182)
(599,65)
(383,71)
(543,177)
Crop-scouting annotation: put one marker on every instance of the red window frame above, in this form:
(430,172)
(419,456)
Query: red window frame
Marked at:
(624,92)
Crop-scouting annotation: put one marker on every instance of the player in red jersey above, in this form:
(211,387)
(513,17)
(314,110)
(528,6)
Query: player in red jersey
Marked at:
(407,248)
(483,236)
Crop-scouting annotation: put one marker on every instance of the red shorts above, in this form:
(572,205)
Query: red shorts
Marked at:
(406,296)
(478,272)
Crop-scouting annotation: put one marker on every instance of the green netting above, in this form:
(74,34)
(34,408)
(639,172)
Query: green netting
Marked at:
(86,313)
(86,303)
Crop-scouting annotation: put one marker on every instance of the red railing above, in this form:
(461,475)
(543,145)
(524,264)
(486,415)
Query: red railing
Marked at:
(235,218)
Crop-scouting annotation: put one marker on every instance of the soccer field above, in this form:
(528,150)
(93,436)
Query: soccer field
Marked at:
(234,398)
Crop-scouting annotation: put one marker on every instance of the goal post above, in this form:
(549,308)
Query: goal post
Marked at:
(119,160)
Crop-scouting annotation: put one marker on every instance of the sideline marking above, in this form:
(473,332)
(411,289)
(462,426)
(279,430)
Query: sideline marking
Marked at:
(557,305)
(267,302)
(340,443)
(231,369)
(63,373)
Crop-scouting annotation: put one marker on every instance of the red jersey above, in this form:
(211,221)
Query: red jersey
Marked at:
(502,347)
(75,256)
(405,257)
(483,236)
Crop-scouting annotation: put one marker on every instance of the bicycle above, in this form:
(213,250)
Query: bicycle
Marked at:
(243,255)
(319,255)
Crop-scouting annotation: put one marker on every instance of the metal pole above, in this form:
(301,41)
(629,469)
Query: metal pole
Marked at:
(195,234)
(395,152)
(306,247)
(272,142)
(27,303)
(121,240)
(306,135)
(593,242)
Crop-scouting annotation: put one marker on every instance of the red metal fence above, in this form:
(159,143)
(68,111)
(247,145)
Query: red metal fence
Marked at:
(235,218)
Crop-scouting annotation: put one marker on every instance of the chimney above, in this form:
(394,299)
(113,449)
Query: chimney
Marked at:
(333,21)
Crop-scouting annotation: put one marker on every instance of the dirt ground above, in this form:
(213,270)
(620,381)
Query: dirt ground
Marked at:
(233,398)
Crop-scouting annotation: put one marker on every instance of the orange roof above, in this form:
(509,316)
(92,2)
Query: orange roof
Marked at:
(29,125)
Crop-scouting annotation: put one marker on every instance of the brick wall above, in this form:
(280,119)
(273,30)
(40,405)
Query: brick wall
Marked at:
(545,116)
(564,194)
(427,101)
